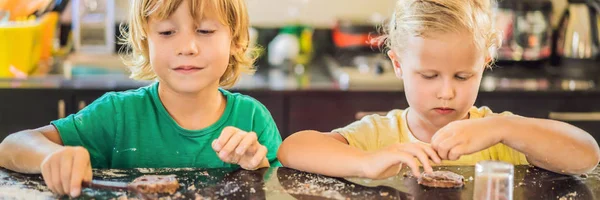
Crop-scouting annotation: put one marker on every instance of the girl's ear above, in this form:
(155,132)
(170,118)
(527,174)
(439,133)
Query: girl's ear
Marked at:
(397,67)
(488,60)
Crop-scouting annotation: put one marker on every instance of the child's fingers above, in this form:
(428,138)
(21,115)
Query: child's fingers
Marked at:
(440,137)
(81,162)
(409,160)
(248,141)
(443,134)
(420,154)
(213,145)
(66,165)
(431,153)
(56,179)
(231,144)
(224,137)
(445,146)
(47,175)
(252,149)
(456,152)
(89,174)
(261,153)
(234,158)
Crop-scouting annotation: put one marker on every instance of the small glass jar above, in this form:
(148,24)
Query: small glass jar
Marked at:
(493,181)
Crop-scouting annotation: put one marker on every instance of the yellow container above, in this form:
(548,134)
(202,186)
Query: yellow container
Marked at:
(48,21)
(23,43)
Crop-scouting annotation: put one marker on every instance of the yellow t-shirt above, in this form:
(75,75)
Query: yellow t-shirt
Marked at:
(374,132)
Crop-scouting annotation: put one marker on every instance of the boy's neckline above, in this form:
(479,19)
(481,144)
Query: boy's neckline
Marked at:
(164,114)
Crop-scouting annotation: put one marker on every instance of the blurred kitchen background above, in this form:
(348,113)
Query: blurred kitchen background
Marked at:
(319,69)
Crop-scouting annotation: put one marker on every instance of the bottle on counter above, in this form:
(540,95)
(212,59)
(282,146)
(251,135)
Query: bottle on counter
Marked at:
(284,48)
(291,52)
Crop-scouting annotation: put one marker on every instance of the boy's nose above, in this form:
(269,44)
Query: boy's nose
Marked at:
(188,50)
(189,47)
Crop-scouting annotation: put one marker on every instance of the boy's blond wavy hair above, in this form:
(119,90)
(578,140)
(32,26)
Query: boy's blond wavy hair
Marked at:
(232,13)
(424,18)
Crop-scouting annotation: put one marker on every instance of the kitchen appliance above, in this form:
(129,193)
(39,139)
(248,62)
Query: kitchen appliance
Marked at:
(94,26)
(526,29)
(355,35)
(363,71)
(358,61)
(579,31)
(577,48)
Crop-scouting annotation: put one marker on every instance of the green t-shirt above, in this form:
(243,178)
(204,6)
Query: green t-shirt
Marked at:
(132,129)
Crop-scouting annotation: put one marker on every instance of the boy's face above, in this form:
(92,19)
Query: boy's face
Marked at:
(441,76)
(189,54)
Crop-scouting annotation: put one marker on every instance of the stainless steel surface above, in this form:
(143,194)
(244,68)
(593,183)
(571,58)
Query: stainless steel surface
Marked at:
(576,38)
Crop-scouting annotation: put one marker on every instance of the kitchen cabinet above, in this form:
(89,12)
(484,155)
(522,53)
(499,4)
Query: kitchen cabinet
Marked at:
(525,104)
(303,110)
(31,108)
(580,109)
(327,110)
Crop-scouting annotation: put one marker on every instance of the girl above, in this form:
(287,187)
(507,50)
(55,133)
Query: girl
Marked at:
(440,49)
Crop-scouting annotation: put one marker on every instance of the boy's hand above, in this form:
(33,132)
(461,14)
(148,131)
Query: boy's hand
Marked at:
(465,137)
(65,170)
(242,148)
(388,162)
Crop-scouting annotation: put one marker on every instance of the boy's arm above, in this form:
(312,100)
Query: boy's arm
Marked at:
(322,153)
(24,151)
(552,145)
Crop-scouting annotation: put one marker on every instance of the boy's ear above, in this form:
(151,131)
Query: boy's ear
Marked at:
(235,48)
(397,67)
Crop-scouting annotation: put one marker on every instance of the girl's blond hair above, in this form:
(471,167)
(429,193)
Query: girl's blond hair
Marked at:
(232,13)
(423,18)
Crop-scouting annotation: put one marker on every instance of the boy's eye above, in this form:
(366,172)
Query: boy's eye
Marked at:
(429,76)
(166,33)
(205,31)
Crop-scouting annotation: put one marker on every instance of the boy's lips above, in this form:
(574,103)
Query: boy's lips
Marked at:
(187,68)
(443,110)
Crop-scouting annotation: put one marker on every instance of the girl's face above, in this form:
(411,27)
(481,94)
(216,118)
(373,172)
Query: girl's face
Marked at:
(441,76)
(189,54)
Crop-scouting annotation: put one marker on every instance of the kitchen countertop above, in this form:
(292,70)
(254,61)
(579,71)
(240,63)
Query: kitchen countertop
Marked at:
(284,183)
(502,78)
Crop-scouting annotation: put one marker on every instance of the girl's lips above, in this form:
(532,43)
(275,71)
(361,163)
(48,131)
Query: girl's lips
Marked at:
(444,111)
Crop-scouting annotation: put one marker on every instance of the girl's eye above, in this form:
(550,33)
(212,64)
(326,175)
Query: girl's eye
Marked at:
(205,32)
(462,78)
(166,33)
